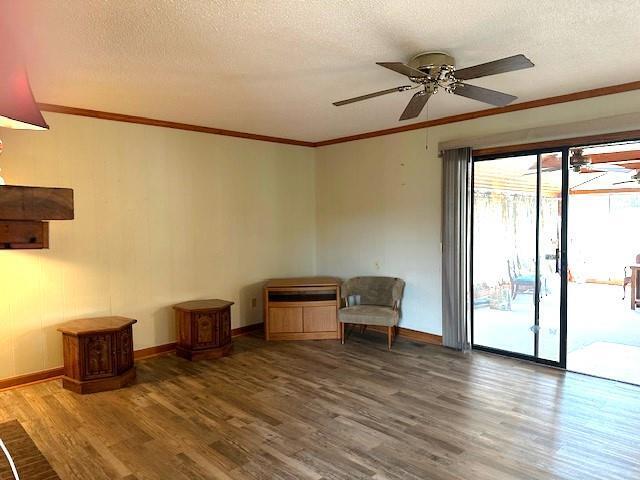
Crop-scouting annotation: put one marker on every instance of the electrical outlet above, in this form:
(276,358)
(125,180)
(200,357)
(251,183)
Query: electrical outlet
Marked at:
(254,302)
(376,266)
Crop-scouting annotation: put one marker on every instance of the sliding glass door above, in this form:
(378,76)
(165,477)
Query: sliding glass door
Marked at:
(517,242)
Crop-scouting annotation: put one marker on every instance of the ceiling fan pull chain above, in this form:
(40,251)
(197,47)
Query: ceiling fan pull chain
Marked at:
(426,139)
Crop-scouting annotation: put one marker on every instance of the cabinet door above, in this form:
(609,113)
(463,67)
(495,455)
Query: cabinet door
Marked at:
(206,330)
(225,326)
(285,320)
(320,319)
(124,350)
(98,352)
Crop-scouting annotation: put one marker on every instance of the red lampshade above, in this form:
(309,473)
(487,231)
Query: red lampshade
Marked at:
(18,108)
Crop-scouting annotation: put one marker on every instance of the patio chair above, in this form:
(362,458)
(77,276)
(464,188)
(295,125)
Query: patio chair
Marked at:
(627,279)
(372,301)
(520,283)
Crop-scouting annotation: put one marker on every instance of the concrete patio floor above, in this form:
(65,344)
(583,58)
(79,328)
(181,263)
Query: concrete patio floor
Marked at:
(603,333)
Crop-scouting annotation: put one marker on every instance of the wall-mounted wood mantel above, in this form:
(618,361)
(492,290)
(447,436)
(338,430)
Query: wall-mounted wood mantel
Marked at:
(35,203)
(24,211)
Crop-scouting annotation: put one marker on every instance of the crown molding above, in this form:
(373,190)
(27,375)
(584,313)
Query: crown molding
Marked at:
(120,117)
(570,97)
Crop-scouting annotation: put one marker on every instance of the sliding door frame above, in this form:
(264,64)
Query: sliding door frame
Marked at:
(537,148)
(564,265)
(562,362)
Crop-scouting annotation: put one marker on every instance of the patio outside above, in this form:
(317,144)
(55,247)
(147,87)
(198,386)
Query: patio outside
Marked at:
(603,331)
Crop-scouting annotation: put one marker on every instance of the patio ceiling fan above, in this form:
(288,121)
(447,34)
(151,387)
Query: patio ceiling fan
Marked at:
(581,163)
(431,71)
(578,159)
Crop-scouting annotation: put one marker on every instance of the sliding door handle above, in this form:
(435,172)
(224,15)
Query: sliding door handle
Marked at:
(557,260)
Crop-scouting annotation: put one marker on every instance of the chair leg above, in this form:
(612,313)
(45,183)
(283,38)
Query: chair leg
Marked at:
(342,332)
(363,328)
(389,335)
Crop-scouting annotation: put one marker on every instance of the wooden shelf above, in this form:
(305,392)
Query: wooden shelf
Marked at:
(35,203)
(23,211)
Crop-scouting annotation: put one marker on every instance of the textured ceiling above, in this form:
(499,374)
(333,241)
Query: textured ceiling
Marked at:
(273,67)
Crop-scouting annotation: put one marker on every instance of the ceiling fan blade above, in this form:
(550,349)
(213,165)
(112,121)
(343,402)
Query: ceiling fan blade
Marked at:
(372,95)
(402,69)
(415,105)
(543,170)
(620,183)
(485,95)
(508,64)
(604,167)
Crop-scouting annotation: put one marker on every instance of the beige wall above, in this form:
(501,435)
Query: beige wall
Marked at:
(379,200)
(162,216)
(165,215)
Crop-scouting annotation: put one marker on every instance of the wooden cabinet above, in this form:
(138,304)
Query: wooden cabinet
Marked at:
(302,308)
(203,329)
(98,354)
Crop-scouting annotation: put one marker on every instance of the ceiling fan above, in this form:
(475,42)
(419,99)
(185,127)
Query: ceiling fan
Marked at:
(434,70)
(581,163)
(578,159)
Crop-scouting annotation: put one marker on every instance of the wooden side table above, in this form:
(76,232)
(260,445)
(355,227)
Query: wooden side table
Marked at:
(203,329)
(98,354)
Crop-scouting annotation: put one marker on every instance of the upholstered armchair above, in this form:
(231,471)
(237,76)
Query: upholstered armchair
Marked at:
(372,301)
